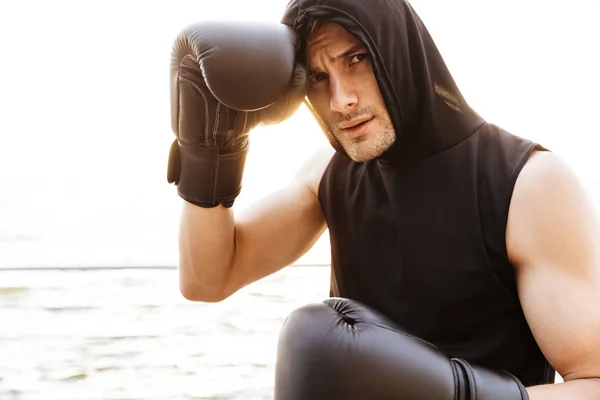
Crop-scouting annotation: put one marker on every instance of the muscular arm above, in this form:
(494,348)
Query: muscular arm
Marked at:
(553,239)
(219,256)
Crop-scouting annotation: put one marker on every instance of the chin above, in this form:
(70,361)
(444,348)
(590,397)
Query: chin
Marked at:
(365,150)
(368,146)
(362,154)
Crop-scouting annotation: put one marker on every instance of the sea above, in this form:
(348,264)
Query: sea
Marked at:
(108,334)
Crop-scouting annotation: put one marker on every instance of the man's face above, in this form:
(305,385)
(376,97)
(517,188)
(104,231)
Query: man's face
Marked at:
(344,92)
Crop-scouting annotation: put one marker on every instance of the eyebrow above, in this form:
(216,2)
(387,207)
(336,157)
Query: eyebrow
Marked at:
(353,49)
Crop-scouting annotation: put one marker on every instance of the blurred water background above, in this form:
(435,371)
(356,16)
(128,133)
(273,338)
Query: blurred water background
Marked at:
(128,334)
(89,301)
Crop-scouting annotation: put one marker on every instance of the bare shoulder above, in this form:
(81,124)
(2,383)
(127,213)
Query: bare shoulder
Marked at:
(544,164)
(546,177)
(548,200)
(311,172)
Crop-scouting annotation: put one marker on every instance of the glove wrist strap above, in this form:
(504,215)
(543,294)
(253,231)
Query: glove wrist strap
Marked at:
(476,382)
(204,177)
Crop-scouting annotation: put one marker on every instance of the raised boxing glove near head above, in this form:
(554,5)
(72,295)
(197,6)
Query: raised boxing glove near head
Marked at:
(342,349)
(226,79)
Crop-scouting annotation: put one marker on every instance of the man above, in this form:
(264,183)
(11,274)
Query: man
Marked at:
(442,225)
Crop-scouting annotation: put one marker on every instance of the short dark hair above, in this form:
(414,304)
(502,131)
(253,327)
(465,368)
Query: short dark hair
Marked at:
(312,27)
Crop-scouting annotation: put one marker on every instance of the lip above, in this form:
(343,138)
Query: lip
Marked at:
(355,127)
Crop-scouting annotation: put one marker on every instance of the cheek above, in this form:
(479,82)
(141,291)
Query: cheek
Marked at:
(370,89)
(376,103)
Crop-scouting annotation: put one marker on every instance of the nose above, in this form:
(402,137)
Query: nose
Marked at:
(343,95)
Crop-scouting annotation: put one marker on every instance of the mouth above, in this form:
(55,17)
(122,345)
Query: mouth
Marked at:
(355,127)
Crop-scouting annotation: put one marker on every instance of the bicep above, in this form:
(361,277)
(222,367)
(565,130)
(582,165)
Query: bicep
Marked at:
(562,310)
(554,241)
(279,229)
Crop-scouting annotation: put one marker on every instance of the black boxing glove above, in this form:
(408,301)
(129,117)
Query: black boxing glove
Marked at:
(344,350)
(226,79)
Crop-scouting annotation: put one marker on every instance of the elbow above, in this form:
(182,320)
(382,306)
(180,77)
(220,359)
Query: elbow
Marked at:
(194,289)
(198,293)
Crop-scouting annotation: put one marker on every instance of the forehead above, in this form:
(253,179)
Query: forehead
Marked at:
(328,41)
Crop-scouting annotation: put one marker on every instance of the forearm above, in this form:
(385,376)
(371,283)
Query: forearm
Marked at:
(576,389)
(206,251)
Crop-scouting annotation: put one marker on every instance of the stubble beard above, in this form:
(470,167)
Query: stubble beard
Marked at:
(363,149)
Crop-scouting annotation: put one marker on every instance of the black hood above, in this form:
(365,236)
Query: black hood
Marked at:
(428,111)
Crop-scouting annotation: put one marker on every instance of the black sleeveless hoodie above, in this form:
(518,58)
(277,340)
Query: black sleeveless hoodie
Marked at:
(419,233)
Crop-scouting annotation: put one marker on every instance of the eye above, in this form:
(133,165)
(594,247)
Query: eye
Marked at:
(356,58)
(318,77)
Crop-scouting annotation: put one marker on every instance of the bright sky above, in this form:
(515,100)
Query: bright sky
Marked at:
(84,100)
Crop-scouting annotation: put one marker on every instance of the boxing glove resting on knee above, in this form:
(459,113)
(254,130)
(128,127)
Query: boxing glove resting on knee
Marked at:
(344,350)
